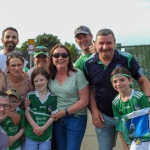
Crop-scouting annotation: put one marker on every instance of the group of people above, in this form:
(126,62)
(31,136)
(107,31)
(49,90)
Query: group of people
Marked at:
(55,94)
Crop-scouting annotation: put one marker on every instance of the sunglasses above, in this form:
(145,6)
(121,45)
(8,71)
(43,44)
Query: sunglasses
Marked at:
(57,55)
(43,49)
(14,54)
(5,106)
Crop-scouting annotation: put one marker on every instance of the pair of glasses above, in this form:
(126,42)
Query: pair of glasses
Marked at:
(41,49)
(5,106)
(13,101)
(17,53)
(57,55)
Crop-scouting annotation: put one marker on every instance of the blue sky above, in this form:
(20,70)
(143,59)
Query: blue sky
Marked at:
(129,19)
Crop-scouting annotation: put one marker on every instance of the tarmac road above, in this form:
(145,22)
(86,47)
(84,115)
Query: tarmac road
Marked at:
(90,141)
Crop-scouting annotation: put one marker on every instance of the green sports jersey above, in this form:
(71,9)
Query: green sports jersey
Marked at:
(80,62)
(40,112)
(138,100)
(11,129)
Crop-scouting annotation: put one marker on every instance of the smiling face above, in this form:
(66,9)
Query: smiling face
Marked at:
(15,66)
(10,40)
(14,102)
(40,82)
(62,61)
(105,46)
(84,41)
(4,107)
(121,83)
(41,60)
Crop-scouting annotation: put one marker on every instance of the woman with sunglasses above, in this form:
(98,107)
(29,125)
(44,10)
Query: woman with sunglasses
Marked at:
(4,109)
(72,91)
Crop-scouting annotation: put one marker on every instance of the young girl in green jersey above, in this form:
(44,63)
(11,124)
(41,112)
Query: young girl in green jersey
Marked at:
(39,127)
(127,101)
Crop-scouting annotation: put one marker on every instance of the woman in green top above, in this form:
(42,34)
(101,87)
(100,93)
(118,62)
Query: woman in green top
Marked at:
(72,91)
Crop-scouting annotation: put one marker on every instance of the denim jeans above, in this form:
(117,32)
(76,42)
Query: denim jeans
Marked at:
(69,131)
(35,145)
(107,136)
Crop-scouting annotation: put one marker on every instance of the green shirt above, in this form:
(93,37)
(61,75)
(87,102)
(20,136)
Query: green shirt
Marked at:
(67,93)
(137,101)
(80,62)
(11,129)
(40,111)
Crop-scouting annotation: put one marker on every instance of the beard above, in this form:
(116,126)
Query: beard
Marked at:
(10,46)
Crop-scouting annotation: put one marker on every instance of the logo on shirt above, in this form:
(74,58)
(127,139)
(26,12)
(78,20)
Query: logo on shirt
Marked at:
(50,109)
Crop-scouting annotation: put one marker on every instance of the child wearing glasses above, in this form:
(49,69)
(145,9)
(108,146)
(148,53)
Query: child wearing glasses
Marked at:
(14,131)
(42,105)
(4,109)
(127,103)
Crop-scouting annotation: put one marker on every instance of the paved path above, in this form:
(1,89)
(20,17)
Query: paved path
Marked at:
(90,140)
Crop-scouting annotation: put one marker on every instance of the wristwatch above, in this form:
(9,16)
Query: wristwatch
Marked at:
(66,111)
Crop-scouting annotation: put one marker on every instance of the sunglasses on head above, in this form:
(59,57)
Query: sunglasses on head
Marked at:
(57,55)
(14,54)
(45,50)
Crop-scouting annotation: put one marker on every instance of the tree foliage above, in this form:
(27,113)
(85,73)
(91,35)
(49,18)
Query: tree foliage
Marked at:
(73,51)
(49,40)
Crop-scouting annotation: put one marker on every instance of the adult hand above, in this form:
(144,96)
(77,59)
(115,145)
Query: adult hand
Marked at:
(59,114)
(15,117)
(92,49)
(97,119)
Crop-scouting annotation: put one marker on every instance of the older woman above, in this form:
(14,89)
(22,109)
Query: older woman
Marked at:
(4,109)
(72,91)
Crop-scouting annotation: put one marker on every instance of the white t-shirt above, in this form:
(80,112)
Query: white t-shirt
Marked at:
(3,59)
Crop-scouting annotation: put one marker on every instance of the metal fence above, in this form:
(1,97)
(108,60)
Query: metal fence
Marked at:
(142,54)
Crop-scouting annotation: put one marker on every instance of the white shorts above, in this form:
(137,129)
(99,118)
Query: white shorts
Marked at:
(141,146)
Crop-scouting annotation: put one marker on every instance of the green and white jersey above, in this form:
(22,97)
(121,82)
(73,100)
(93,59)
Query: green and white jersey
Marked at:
(11,129)
(40,111)
(80,62)
(138,100)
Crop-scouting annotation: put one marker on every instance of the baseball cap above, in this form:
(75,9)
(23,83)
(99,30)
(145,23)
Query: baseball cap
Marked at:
(82,29)
(40,50)
(14,92)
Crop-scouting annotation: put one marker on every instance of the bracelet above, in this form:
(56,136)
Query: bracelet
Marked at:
(148,96)
(66,111)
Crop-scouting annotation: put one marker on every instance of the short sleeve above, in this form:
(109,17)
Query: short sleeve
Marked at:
(81,80)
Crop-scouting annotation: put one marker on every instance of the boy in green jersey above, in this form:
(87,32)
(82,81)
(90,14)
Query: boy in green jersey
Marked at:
(13,131)
(127,101)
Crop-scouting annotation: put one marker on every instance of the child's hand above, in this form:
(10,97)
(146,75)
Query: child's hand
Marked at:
(149,112)
(11,140)
(39,131)
(59,114)
(26,102)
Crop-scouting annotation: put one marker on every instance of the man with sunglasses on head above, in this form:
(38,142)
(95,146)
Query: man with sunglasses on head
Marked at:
(10,40)
(40,58)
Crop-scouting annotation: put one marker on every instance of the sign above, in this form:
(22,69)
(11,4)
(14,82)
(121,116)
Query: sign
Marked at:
(31,44)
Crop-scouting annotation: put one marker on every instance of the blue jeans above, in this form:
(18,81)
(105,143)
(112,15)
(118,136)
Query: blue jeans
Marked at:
(35,145)
(69,131)
(107,136)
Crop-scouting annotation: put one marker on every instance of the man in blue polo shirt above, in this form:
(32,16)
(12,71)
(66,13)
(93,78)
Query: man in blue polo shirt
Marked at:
(98,68)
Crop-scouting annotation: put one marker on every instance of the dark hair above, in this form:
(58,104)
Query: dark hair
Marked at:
(37,71)
(120,70)
(14,56)
(10,28)
(52,67)
(105,32)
